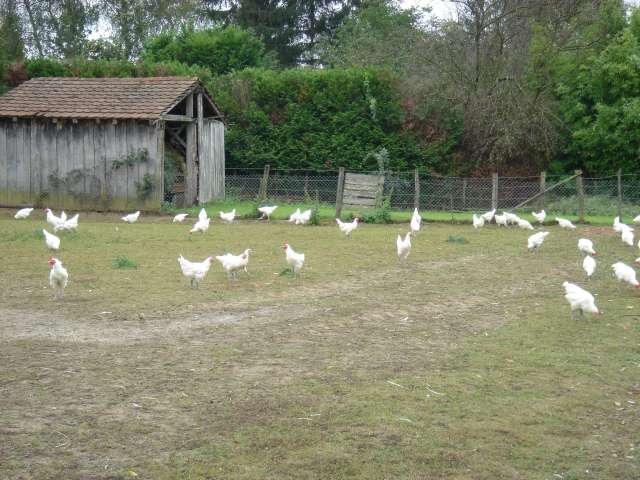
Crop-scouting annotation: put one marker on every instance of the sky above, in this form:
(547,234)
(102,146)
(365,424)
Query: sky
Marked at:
(441,8)
(444,9)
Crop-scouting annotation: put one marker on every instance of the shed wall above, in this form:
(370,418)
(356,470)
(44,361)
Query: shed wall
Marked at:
(81,166)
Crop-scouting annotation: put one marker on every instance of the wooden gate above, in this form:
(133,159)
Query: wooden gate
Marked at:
(211,159)
(362,191)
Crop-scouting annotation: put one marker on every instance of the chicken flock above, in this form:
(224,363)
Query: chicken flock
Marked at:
(579,299)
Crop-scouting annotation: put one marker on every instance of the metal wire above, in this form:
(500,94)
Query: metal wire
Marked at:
(601,196)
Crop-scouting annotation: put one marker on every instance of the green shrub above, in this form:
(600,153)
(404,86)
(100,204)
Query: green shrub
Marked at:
(222,50)
(123,262)
(314,119)
(457,239)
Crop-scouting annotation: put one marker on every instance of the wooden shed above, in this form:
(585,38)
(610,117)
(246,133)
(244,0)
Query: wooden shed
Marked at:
(100,143)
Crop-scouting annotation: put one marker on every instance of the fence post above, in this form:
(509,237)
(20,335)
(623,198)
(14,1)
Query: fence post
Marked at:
(580,195)
(494,192)
(620,193)
(340,192)
(543,187)
(464,194)
(264,182)
(416,189)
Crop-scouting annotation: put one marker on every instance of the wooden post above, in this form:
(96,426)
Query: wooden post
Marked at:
(262,194)
(191,177)
(494,192)
(580,195)
(340,192)
(199,146)
(620,193)
(464,194)
(416,189)
(543,187)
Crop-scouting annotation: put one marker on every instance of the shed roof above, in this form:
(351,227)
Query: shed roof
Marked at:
(87,98)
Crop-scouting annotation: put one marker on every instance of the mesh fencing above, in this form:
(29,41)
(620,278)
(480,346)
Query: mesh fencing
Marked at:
(601,195)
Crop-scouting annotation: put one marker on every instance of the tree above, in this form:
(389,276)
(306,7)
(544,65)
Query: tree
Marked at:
(11,42)
(600,105)
(222,50)
(133,22)
(291,28)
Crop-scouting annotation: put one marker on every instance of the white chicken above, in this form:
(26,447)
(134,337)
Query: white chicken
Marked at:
(132,217)
(619,227)
(304,217)
(589,265)
(233,263)
(524,224)
(564,223)
(196,271)
(267,211)
(179,218)
(586,246)
(347,227)
(580,300)
(627,237)
(202,225)
(52,241)
(68,224)
(294,260)
(294,216)
(536,240)
(23,213)
(58,277)
(636,219)
(488,216)
(625,273)
(228,217)
(478,221)
(53,220)
(501,220)
(403,246)
(416,222)
(539,216)
(512,218)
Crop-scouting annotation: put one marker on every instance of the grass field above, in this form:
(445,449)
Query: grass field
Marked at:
(462,363)
(247,209)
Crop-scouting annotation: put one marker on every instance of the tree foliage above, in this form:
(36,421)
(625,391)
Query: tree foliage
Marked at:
(314,119)
(221,50)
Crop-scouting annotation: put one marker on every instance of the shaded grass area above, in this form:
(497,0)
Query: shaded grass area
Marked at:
(460,363)
(247,209)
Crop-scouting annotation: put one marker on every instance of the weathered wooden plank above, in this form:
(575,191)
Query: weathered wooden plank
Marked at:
(35,136)
(191,175)
(23,148)
(362,178)
(114,176)
(76,165)
(12,164)
(133,172)
(103,172)
(160,156)
(47,158)
(4,185)
(177,118)
(219,164)
(153,167)
(359,203)
(119,180)
(91,183)
(363,191)
(64,140)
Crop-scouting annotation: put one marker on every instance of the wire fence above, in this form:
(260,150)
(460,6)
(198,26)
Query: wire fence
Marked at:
(600,196)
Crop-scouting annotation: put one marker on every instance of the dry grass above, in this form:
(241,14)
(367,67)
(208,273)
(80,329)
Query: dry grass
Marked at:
(461,363)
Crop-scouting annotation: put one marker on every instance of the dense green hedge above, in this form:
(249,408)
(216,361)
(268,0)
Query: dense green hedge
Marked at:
(297,118)
(314,119)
